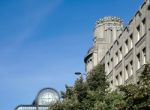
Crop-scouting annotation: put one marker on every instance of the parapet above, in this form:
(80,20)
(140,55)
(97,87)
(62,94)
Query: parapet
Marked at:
(109,19)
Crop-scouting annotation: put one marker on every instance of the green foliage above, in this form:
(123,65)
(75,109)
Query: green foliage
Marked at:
(69,92)
(93,94)
(97,78)
(80,90)
(114,101)
(97,83)
(57,106)
(85,95)
(97,86)
(137,96)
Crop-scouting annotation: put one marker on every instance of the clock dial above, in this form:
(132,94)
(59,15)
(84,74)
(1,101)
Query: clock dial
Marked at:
(48,97)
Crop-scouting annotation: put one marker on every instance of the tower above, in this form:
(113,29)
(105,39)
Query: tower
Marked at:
(106,31)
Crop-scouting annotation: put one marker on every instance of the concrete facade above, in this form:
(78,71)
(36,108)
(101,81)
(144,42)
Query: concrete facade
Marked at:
(124,51)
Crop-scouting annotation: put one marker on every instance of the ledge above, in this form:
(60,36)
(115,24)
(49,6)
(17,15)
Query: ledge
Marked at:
(118,64)
(109,74)
(128,54)
(141,40)
(141,69)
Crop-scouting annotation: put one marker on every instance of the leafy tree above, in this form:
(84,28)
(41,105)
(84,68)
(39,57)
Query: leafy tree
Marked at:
(97,79)
(93,94)
(57,106)
(137,96)
(97,88)
(85,95)
(68,94)
(114,101)
(80,90)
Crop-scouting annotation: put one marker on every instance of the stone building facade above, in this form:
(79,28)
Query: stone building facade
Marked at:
(123,50)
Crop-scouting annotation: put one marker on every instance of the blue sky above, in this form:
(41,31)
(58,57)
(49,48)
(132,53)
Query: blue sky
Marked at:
(43,42)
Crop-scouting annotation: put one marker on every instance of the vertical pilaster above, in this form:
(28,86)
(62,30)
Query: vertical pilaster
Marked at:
(147,31)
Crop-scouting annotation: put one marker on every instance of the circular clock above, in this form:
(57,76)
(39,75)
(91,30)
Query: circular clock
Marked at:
(48,96)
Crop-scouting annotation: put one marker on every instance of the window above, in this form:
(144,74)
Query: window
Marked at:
(131,41)
(111,83)
(144,56)
(143,26)
(113,38)
(117,80)
(138,61)
(117,58)
(126,72)
(120,81)
(144,21)
(149,7)
(120,53)
(140,14)
(112,60)
(110,35)
(111,63)
(126,46)
(138,32)
(131,68)
(108,65)
(138,28)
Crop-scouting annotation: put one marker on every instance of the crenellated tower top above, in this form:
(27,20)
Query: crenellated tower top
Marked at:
(109,19)
(108,27)
(106,30)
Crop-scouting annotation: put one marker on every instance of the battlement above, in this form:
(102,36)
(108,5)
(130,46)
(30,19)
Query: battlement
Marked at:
(109,19)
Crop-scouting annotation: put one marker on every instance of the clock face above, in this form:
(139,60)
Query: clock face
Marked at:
(48,97)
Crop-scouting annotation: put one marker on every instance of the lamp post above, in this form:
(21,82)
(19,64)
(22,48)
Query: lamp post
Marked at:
(81,74)
(78,73)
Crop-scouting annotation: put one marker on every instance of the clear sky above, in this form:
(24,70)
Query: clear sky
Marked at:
(43,42)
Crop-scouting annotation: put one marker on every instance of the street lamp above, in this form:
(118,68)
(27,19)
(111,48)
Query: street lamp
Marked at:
(83,75)
(77,73)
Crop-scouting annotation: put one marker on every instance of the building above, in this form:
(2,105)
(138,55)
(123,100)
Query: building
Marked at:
(123,50)
(44,99)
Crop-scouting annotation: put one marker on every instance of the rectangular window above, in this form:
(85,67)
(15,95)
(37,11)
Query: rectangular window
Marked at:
(111,63)
(144,56)
(138,32)
(139,13)
(138,61)
(126,46)
(117,80)
(131,68)
(108,65)
(126,72)
(149,7)
(138,28)
(144,21)
(117,58)
(111,83)
(120,81)
(131,41)
(143,26)
(120,53)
